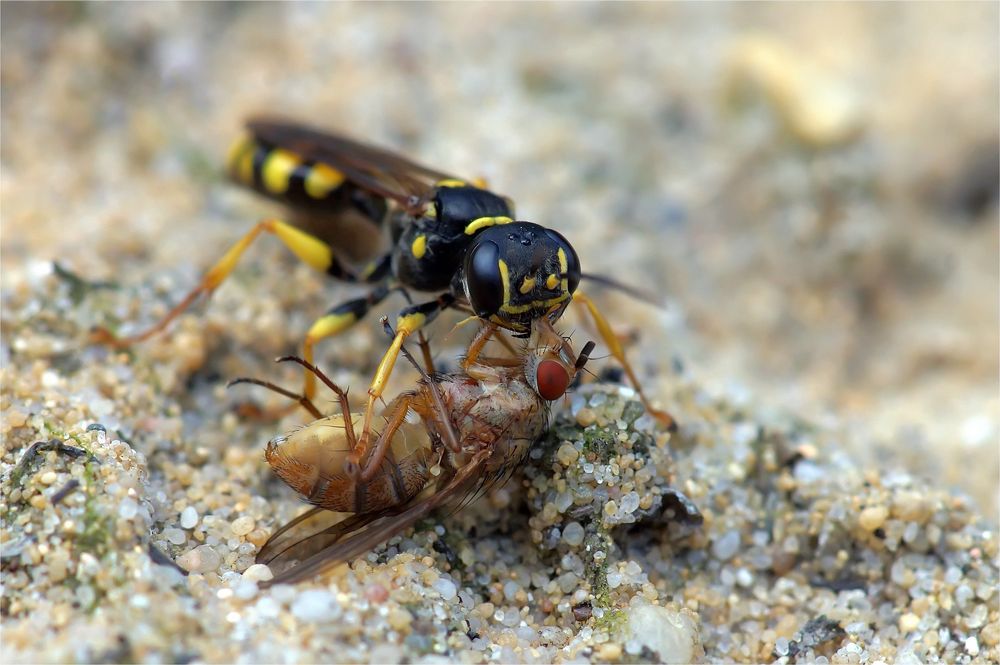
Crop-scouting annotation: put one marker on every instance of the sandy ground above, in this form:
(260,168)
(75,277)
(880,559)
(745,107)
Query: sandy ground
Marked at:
(809,190)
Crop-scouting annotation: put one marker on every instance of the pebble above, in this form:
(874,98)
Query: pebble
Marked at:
(189,518)
(241,526)
(128,508)
(573,534)
(725,547)
(445,587)
(908,622)
(671,634)
(315,605)
(873,517)
(202,559)
(258,572)
(175,536)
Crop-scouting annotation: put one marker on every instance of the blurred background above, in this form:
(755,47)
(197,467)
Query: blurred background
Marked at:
(811,190)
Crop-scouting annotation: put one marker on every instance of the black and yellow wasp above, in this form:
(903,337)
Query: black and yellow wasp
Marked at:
(449,236)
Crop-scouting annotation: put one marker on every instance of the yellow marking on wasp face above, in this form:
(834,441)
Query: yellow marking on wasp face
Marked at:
(534,305)
(322,180)
(551,282)
(410,323)
(451,182)
(563,265)
(277,170)
(483,222)
(505,280)
(331,324)
(527,285)
(419,246)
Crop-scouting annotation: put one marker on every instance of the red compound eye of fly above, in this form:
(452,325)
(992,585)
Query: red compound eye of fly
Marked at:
(552,379)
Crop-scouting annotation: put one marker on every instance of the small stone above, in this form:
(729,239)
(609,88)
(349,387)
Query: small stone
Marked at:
(972,646)
(671,634)
(128,508)
(573,534)
(202,559)
(567,454)
(445,587)
(908,622)
(189,518)
(258,572)
(316,605)
(586,417)
(48,478)
(399,619)
(725,547)
(873,517)
(609,651)
(241,526)
(175,536)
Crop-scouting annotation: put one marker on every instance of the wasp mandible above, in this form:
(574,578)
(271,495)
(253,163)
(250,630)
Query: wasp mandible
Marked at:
(476,426)
(449,236)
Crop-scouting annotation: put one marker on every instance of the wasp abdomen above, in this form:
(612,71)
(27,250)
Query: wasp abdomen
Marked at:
(283,174)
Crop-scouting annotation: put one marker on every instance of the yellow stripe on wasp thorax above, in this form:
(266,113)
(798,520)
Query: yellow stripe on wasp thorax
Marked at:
(451,182)
(483,222)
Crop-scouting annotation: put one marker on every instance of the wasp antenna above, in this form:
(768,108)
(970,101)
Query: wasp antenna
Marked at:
(632,291)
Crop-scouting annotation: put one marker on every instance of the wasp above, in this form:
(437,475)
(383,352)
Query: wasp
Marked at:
(447,236)
(475,427)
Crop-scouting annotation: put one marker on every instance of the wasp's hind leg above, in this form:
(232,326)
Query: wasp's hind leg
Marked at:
(609,337)
(306,247)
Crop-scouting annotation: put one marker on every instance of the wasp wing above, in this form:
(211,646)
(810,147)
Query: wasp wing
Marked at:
(377,170)
(294,559)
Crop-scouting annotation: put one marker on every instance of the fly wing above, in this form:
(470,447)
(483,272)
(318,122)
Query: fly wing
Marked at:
(293,560)
(377,170)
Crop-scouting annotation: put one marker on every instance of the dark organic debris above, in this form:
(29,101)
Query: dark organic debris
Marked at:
(816,631)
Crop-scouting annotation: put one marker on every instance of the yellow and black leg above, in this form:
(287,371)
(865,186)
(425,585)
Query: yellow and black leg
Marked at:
(409,321)
(334,322)
(307,247)
(609,337)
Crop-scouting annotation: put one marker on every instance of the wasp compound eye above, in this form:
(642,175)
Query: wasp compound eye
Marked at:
(483,280)
(552,379)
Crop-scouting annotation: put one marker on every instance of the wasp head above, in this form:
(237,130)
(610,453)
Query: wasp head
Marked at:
(519,272)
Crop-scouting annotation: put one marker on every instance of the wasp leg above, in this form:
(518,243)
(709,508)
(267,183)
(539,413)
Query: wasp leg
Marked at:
(609,337)
(409,321)
(308,248)
(334,322)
